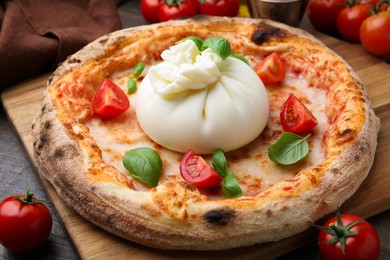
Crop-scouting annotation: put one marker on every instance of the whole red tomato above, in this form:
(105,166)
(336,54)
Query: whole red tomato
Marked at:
(150,9)
(25,223)
(171,9)
(219,7)
(349,21)
(347,236)
(375,33)
(323,14)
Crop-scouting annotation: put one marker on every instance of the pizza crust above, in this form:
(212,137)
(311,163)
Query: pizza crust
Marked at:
(175,215)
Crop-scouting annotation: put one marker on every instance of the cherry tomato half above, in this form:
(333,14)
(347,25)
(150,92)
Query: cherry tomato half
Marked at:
(271,70)
(110,100)
(363,243)
(24,226)
(171,9)
(295,116)
(375,33)
(349,21)
(323,14)
(196,170)
(220,7)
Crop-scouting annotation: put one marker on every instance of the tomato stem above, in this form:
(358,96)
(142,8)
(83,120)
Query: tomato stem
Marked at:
(173,2)
(377,7)
(29,198)
(29,195)
(339,232)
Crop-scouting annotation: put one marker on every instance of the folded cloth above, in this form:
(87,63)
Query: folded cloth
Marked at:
(35,36)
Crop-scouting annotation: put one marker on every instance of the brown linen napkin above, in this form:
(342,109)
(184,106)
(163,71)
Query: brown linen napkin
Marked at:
(36,35)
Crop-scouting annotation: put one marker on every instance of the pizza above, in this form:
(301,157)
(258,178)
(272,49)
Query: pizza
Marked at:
(205,134)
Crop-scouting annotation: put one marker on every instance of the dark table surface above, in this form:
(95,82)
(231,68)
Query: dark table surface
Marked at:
(17,172)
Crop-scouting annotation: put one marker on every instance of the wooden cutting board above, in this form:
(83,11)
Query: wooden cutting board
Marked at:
(22,102)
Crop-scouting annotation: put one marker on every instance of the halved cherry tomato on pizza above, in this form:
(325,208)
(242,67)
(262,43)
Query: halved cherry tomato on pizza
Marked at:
(347,236)
(375,33)
(110,100)
(271,70)
(219,7)
(196,170)
(296,117)
(349,21)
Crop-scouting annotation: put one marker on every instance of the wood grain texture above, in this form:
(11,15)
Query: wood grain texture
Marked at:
(23,101)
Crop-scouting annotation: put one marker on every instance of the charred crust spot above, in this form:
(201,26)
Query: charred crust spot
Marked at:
(265,32)
(199,17)
(59,153)
(220,217)
(346,136)
(110,219)
(43,108)
(67,150)
(50,80)
(74,60)
(346,132)
(43,138)
(103,41)
(47,125)
(40,145)
(268,213)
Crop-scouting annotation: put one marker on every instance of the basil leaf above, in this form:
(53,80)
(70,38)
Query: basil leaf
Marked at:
(197,41)
(144,164)
(138,69)
(219,163)
(219,45)
(131,86)
(240,57)
(230,187)
(289,149)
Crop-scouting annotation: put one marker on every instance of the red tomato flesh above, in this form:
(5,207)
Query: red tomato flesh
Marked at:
(220,7)
(323,14)
(23,227)
(375,33)
(271,70)
(110,100)
(150,9)
(176,9)
(349,21)
(196,170)
(295,116)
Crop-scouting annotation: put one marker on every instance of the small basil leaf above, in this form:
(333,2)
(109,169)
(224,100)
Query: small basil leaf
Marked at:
(219,163)
(240,57)
(219,45)
(138,69)
(289,149)
(131,86)
(196,40)
(230,187)
(144,164)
